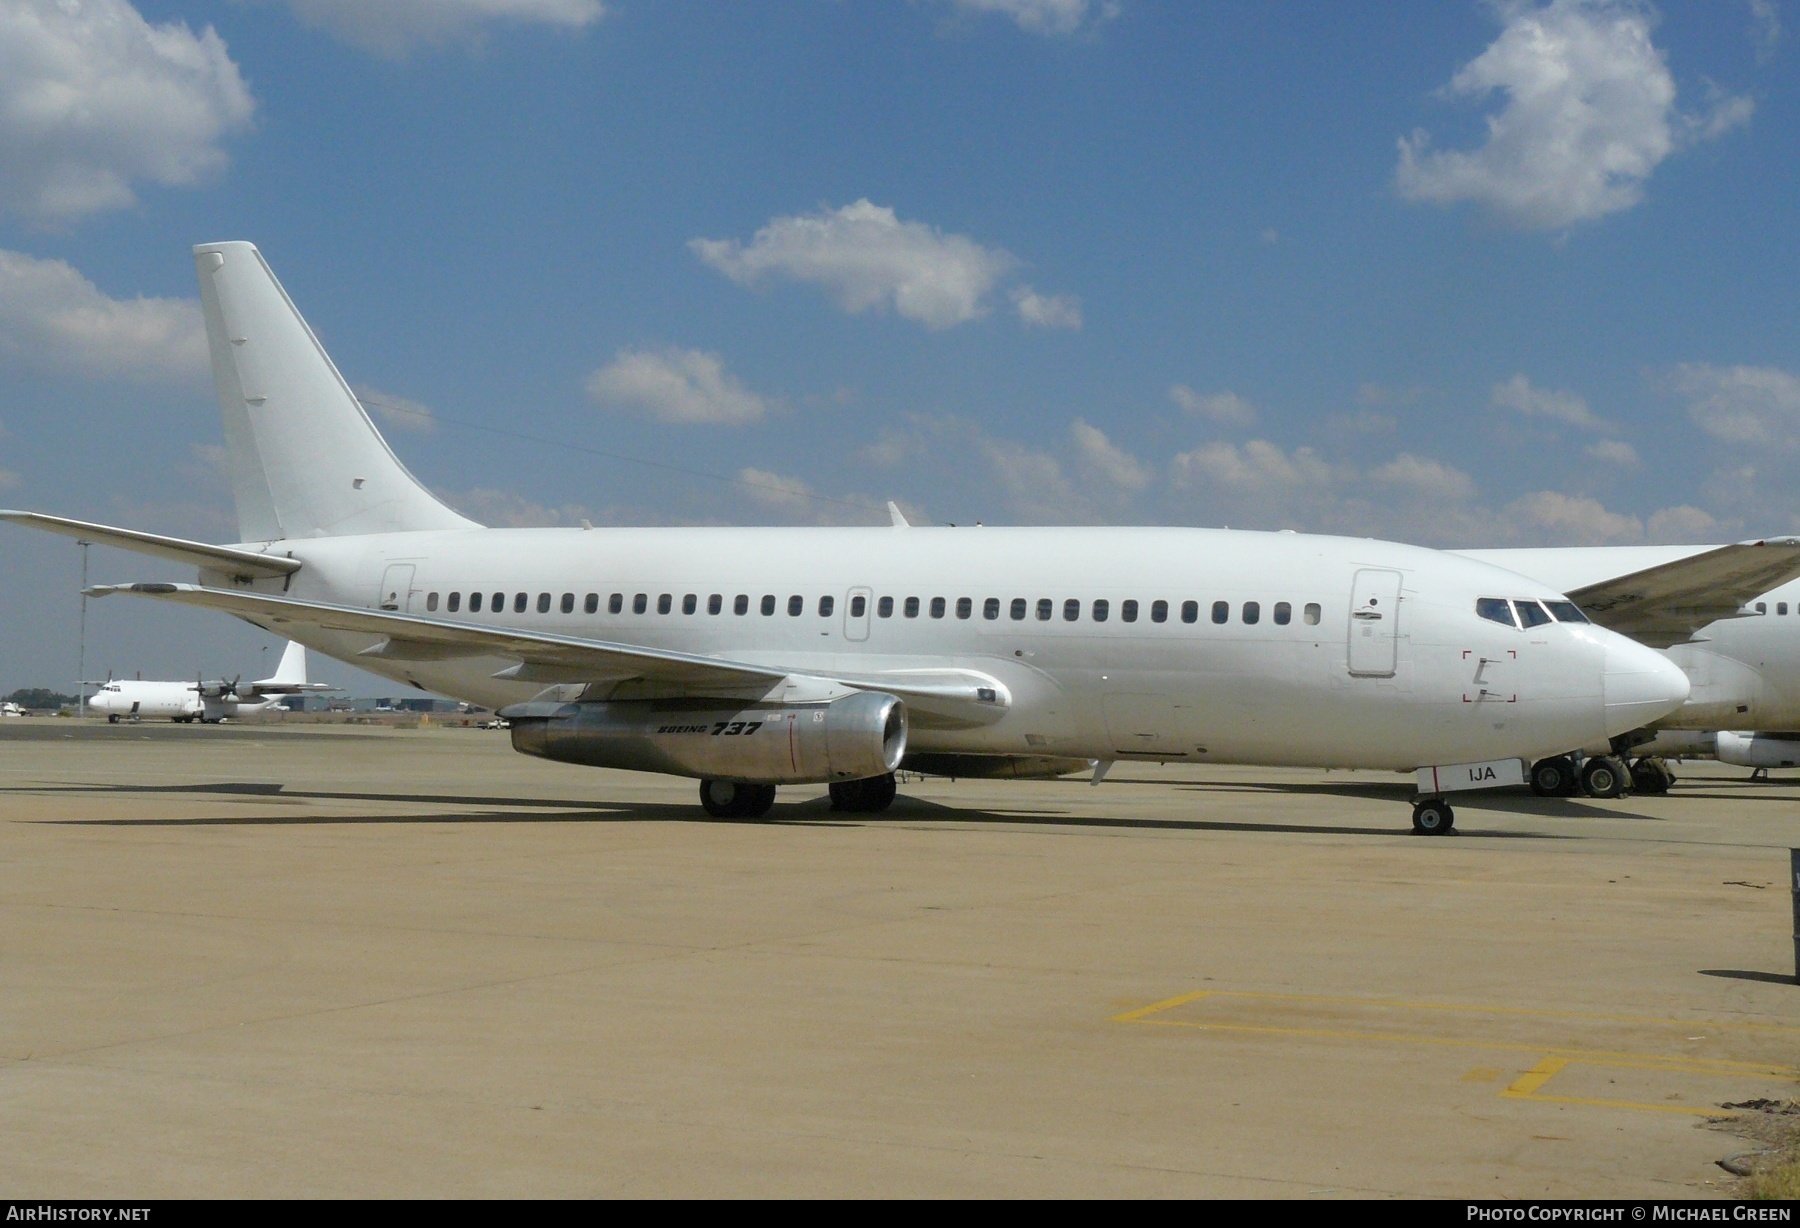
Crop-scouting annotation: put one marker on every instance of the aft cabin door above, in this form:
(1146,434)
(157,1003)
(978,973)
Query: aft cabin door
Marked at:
(396,587)
(1374,623)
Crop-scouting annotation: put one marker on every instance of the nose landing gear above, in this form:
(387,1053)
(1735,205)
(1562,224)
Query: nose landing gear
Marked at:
(1432,816)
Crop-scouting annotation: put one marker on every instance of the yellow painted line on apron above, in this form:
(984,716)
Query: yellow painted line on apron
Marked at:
(1144,1012)
(1527,1085)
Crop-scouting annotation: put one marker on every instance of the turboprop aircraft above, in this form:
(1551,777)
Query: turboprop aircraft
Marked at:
(200,700)
(1729,616)
(755,657)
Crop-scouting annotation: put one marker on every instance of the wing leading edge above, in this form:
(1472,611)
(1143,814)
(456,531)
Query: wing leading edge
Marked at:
(1667,604)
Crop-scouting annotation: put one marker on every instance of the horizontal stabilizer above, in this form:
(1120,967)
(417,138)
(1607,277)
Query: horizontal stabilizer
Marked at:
(229,559)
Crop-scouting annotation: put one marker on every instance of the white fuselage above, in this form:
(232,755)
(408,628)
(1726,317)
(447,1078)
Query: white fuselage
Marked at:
(1348,677)
(180,701)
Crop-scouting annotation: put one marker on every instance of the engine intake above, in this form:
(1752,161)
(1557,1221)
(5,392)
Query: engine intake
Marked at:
(851,738)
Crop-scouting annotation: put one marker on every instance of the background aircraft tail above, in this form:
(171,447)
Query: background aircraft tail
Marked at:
(305,459)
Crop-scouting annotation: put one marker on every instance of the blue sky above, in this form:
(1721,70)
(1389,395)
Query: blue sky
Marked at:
(1464,274)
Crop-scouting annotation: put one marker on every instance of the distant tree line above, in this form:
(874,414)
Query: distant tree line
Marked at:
(39,697)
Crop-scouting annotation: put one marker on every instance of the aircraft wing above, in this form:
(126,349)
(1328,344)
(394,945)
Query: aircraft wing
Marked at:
(1668,603)
(946,697)
(230,559)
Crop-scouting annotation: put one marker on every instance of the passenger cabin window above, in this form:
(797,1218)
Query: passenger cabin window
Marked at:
(454,602)
(568,603)
(431,601)
(543,603)
(937,607)
(497,603)
(1190,611)
(1018,608)
(615,603)
(1312,613)
(966,607)
(474,603)
(740,604)
(859,605)
(689,603)
(1159,611)
(796,604)
(664,603)
(1284,613)
(990,609)
(1101,609)
(592,604)
(640,603)
(885,607)
(768,604)
(826,606)
(912,607)
(1044,609)
(1071,610)
(1780,606)
(1531,614)
(1221,611)
(519,600)
(1495,610)
(715,603)
(1252,612)
(1128,611)
(1762,607)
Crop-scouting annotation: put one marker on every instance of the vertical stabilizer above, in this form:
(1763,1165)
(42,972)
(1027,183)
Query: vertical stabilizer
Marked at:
(305,459)
(292,670)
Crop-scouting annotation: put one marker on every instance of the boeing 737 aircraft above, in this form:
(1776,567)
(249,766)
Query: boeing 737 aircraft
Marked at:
(755,657)
(206,702)
(1729,616)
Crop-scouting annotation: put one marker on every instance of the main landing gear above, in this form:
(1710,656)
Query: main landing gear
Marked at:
(1432,816)
(731,799)
(868,796)
(1601,776)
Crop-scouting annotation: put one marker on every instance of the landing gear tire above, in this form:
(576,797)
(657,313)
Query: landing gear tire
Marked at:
(112,718)
(1433,817)
(733,799)
(871,795)
(1553,777)
(1651,776)
(1604,776)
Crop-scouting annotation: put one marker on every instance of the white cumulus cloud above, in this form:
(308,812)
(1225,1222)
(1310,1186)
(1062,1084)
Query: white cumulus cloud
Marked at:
(1571,520)
(1226,408)
(1615,452)
(864,256)
(1106,458)
(1589,115)
(94,99)
(394,27)
(1752,406)
(1522,396)
(1047,310)
(1045,16)
(682,387)
(54,321)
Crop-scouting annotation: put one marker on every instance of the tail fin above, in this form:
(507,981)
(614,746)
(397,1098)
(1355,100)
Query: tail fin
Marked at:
(305,459)
(292,670)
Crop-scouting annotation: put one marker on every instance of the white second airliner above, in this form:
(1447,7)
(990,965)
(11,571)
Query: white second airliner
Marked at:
(208,702)
(755,657)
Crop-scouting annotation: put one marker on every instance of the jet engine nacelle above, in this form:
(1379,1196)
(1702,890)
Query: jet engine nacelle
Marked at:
(1760,750)
(852,738)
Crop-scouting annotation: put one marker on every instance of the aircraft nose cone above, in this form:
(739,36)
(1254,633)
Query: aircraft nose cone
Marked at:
(1641,685)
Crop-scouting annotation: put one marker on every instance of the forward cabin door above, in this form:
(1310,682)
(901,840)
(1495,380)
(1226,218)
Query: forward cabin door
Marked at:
(396,587)
(1374,623)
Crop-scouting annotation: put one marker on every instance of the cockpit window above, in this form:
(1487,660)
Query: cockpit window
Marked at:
(1495,610)
(1531,614)
(1566,612)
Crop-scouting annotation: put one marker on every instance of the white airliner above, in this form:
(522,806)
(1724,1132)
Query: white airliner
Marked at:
(1729,616)
(208,702)
(755,657)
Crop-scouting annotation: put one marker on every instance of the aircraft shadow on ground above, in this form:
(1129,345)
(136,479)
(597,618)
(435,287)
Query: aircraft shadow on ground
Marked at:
(814,812)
